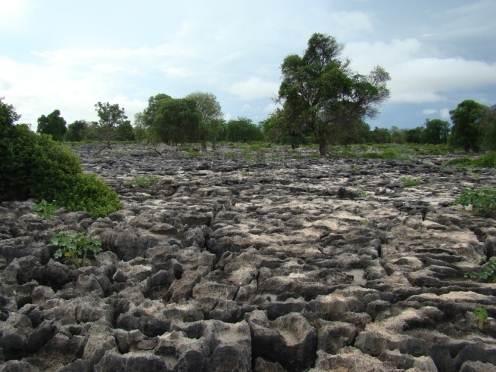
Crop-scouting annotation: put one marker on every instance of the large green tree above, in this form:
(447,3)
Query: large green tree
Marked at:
(467,118)
(436,131)
(325,95)
(110,116)
(175,120)
(52,124)
(210,117)
(243,130)
(8,116)
(77,131)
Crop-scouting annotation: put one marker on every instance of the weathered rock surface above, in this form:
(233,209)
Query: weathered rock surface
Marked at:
(279,263)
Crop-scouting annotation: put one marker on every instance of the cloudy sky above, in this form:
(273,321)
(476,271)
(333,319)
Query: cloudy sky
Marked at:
(70,54)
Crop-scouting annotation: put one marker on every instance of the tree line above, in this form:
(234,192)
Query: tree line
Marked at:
(321,100)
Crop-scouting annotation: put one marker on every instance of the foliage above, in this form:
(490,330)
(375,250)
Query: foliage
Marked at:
(110,116)
(487,272)
(45,209)
(484,161)
(324,95)
(483,200)
(408,181)
(53,124)
(436,131)
(210,116)
(89,193)
(8,116)
(175,120)
(74,247)
(77,131)
(481,315)
(243,130)
(35,166)
(143,181)
(466,118)
(124,131)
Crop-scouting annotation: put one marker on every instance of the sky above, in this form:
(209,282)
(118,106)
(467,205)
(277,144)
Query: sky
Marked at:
(68,55)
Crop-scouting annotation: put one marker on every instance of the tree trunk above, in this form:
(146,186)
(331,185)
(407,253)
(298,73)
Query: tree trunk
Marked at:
(323,147)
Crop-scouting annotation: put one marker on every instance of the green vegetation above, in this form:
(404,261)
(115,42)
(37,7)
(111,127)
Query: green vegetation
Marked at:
(53,124)
(75,248)
(487,272)
(36,166)
(408,181)
(484,161)
(483,201)
(322,96)
(45,209)
(112,122)
(143,181)
(481,315)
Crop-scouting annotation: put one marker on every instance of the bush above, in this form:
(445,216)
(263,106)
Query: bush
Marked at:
(45,209)
(483,201)
(408,181)
(75,247)
(35,166)
(89,193)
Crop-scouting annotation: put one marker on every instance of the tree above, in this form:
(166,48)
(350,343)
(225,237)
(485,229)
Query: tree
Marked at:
(243,130)
(467,118)
(210,117)
(324,94)
(175,120)
(415,135)
(8,116)
(436,131)
(110,117)
(380,135)
(489,129)
(52,124)
(148,114)
(77,131)
(124,131)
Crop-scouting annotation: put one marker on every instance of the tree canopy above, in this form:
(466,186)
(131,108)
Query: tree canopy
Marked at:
(52,124)
(467,118)
(110,117)
(322,92)
(210,116)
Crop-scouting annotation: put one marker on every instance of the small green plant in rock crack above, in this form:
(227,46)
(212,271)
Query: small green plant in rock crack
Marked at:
(408,181)
(487,272)
(143,181)
(481,315)
(483,201)
(44,209)
(75,247)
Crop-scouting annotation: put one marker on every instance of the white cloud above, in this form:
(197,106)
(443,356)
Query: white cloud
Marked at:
(254,88)
(416,78)
(12,14)
(444,113)
(429,112)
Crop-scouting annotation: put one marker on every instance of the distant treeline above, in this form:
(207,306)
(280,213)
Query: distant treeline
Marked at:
(321,100)
(474,127)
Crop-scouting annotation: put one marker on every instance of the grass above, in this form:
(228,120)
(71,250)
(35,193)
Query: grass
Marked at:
(143,181)
(484,161)
(408,181)
(481,315)
(44,209)
(390,151)
(483,200)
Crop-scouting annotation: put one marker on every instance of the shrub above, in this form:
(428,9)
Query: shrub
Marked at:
(481,315)
(485,161)
(143,181)
(487,272)
(45,209)
(408,181)
(75,247)
(483,201)
(35,166)
(89,193)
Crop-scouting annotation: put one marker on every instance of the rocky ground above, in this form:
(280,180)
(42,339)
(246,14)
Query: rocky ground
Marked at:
(273,263)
